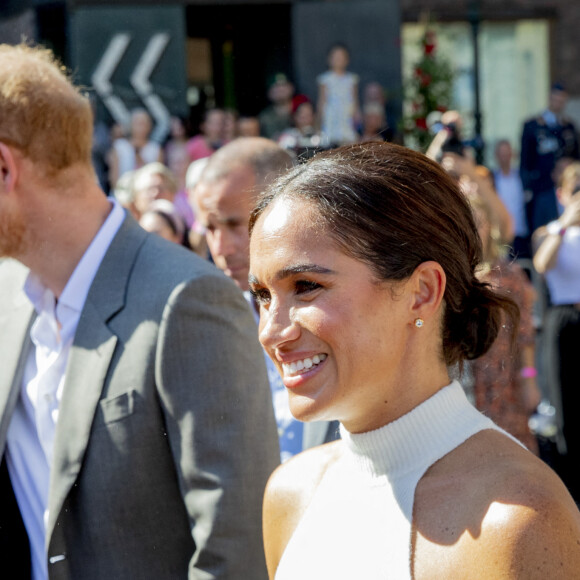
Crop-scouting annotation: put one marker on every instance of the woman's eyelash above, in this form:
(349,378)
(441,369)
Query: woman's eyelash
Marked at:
(306,286)
(260,295)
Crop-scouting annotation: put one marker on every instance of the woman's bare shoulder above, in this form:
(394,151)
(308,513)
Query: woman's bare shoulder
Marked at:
(288,494)
(294,482)
(491,509)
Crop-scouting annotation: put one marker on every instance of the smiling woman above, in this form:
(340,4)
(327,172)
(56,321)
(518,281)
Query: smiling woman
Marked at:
(363,263)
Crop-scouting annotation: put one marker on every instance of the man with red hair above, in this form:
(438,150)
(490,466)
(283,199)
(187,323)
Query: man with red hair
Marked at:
(136,431)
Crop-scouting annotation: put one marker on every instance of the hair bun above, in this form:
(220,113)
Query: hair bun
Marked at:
(471,332)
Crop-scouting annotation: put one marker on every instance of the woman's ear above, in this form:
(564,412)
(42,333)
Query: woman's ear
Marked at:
(428,288)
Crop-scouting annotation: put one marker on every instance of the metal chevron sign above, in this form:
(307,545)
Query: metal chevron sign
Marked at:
(140,81)
(132,57)
(101,78)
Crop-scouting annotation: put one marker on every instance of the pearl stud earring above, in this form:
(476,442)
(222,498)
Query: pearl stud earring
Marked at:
(419,322)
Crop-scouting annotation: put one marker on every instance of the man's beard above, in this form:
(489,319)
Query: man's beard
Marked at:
(12,233)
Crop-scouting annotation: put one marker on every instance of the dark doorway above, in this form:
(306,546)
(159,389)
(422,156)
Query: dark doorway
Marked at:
(249,43)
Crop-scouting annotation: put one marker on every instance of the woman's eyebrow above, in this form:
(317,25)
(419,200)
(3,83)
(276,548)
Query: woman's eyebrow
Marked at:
(292,270)
(301,269)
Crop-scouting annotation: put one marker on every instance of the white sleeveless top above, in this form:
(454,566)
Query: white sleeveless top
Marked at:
(358,524)
(563,279)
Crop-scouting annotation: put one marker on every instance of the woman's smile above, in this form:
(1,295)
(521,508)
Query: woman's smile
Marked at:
(297,373)
(296,367)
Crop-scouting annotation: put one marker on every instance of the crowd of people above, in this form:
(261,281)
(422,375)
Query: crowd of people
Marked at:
(394,295)
(513,204)
(300,123)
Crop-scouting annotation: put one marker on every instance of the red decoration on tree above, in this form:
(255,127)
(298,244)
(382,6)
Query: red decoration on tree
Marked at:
(429,89)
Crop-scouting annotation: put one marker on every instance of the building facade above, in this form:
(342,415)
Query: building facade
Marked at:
(524,47)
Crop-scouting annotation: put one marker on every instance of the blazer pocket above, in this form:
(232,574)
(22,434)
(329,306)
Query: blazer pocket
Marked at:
(119,407)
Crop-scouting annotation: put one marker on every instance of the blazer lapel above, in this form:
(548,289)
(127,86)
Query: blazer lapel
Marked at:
(89,360)
(15,345)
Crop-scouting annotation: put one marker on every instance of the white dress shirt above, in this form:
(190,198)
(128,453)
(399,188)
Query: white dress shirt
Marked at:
(32,428)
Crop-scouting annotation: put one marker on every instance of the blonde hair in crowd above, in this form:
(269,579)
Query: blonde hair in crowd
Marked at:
(493,248)
(142,176)
(41,113)
(570,176)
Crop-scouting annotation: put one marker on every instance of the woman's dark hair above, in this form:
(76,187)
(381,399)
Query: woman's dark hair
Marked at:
(393,208)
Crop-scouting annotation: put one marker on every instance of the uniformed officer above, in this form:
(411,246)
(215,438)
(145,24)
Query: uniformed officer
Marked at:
(546,139)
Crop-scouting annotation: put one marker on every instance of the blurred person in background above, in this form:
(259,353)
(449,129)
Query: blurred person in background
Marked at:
(475,181)
(135,151)
(248,127)
(374,114)
(449,149)
(546,138)
(124,193)
(303,134)
(504,379)
(230,125)
(179,165)
(508,184)
(277,116)
(196,235)
(374,124)
(338,103)
(211,136)
(164,220)
(156,181)
(558,258)
(224,197)
(176,142)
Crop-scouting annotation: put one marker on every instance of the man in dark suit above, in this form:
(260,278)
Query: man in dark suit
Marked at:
(546,139)
(136,429)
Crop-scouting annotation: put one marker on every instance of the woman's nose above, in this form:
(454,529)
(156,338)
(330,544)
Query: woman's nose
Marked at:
(277,327)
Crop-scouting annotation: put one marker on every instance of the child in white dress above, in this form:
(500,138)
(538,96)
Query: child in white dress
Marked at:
(338,104)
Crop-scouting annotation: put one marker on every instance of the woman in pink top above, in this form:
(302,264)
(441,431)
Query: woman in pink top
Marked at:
(211,137)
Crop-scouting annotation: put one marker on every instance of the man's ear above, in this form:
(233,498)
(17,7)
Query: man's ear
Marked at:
(8,168)
(429,283)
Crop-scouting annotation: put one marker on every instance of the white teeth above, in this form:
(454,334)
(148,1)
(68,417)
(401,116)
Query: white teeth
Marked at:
(299,365)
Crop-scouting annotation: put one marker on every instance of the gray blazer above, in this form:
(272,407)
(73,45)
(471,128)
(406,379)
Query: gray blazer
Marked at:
(166,434)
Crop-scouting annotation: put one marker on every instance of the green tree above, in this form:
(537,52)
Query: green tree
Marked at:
(430,89)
